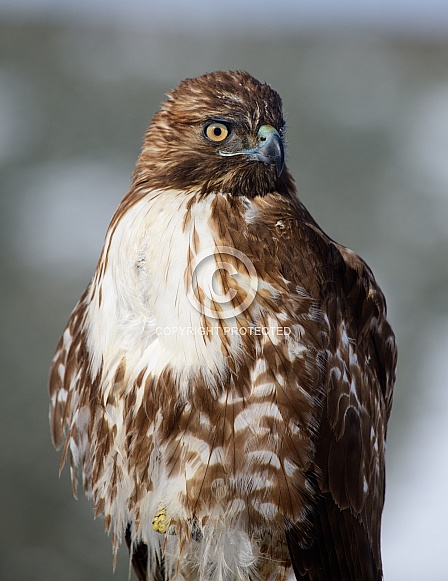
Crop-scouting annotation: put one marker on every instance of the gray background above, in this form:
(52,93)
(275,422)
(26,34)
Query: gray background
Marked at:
(365,89)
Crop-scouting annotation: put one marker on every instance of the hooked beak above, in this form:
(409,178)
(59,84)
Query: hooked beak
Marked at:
(270,148)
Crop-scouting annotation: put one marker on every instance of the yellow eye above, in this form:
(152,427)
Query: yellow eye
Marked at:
(216,131)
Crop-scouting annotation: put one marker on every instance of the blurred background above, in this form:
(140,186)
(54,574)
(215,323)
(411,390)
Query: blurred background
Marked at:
(365,90)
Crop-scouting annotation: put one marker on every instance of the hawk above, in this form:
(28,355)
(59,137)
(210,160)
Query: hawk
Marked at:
(225,381)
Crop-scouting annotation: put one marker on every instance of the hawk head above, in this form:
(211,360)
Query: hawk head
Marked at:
(222,131)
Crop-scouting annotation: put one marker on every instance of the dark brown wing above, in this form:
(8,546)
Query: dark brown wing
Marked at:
(341,549)
(349,463)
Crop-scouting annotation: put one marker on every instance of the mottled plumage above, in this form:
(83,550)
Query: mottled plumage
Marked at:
(227,439)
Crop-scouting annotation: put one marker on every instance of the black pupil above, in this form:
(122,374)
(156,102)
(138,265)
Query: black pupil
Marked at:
(217,131)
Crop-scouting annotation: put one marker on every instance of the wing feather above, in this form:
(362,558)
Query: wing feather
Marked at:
(69,383)
(349,462)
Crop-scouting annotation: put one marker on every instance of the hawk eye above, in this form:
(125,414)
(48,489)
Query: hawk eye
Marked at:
(216,131)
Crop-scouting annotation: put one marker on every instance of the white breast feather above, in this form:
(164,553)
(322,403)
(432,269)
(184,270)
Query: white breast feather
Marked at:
(146,314)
